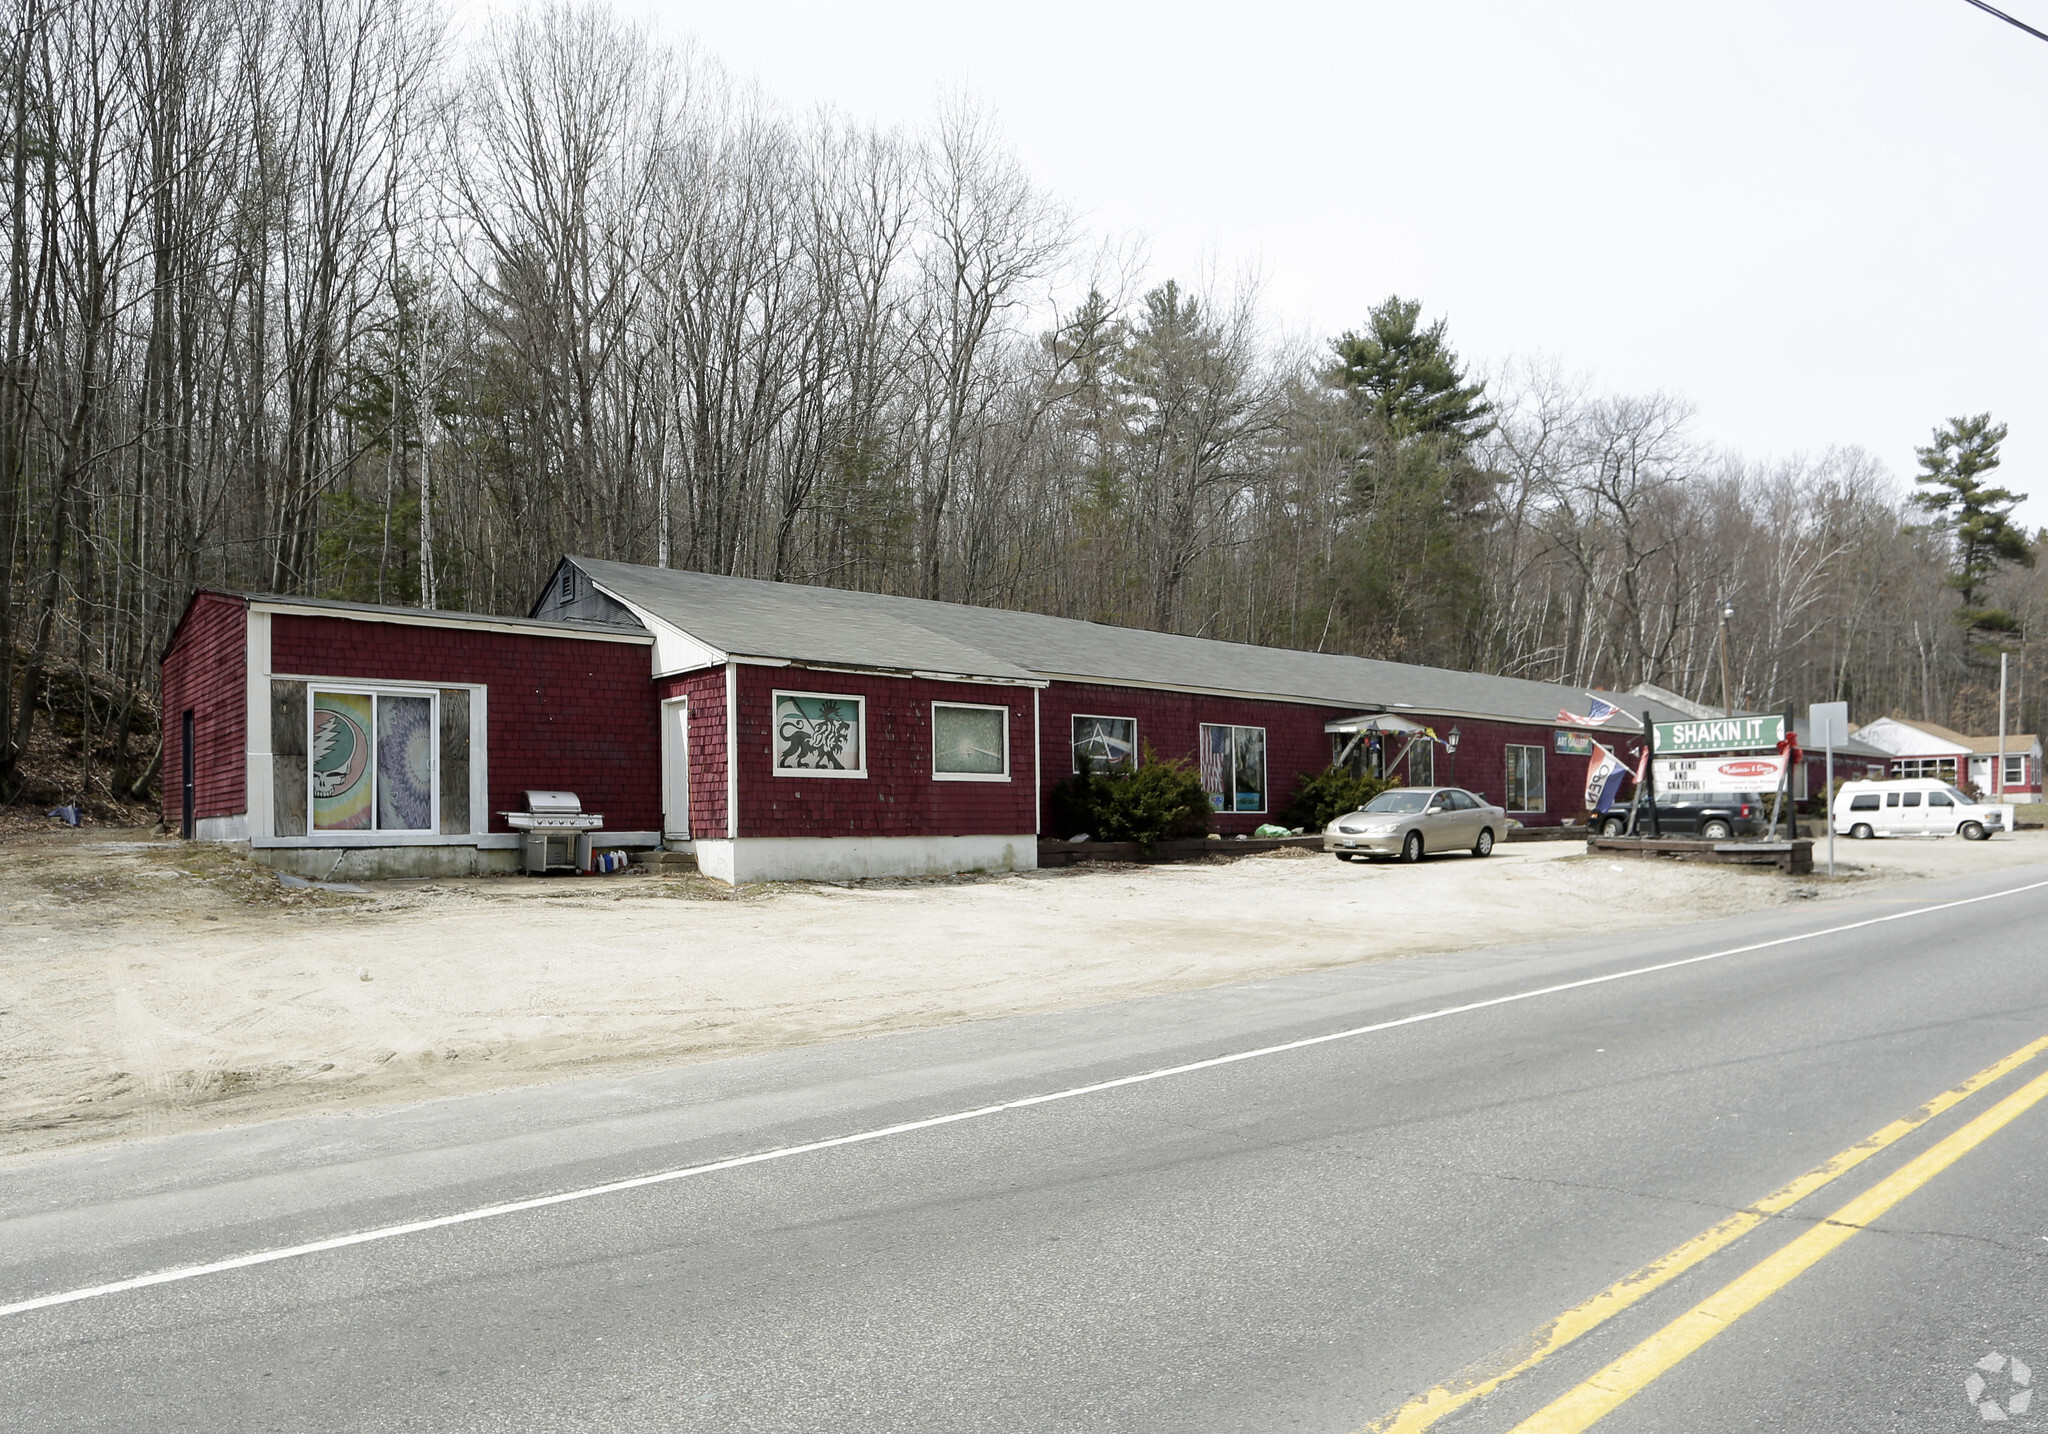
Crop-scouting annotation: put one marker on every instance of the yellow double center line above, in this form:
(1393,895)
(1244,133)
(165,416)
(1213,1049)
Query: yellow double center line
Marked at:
(1597,1396)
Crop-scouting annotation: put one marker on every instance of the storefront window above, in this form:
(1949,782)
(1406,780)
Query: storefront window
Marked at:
(1234,767)
(1105,744)
(371,761)
(1525,779)
(1422,763)
(970,743)
(820,735)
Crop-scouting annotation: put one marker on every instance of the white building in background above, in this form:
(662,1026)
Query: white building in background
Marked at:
(1926,749)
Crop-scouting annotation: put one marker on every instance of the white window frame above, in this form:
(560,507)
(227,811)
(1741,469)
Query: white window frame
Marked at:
(1542,793)
(1074,755)
(2015,774)
(1265,768)
(775,697)
(939,776)
(374,691)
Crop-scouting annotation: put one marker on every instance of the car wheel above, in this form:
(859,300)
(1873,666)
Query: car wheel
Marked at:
(1861,831)
(1974,831)
(1716,831)
(1484,846)
(1614,827)
(1411,849)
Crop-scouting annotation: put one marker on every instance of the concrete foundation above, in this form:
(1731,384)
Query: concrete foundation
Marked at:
(381,863)
(852,858)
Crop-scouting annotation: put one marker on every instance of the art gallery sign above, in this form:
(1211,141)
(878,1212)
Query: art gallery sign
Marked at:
(1720,734)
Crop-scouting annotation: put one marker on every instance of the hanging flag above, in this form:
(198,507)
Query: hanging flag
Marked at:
(1596,715)
(1604,774)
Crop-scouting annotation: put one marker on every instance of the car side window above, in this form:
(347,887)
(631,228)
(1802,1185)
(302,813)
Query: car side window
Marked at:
(1460,801)
(1891,799)
(1912,799)
(1939,799)
(1865,803)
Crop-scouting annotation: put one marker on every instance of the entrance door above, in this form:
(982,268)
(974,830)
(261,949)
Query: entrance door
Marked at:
(189,783)
(675,768)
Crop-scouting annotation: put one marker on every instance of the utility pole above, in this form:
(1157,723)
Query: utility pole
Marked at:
(1998,775)
(1727,702)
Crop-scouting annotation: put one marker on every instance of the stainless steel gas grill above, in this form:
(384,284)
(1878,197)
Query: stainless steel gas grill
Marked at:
(557,832)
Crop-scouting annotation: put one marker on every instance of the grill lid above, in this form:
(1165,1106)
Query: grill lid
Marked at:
(553,803)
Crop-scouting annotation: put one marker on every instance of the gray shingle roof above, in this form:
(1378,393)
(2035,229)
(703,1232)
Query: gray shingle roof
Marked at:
(830,626)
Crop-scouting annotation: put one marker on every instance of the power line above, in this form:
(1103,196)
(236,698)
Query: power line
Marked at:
(2017,24)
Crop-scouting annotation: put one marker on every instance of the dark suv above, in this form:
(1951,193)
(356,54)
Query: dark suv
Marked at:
(1716,816)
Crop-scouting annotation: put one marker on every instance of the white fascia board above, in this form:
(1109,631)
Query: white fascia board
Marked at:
(468,624)
(674,650)
(1298,700)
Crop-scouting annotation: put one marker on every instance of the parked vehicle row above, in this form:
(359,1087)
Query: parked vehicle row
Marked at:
(1412,822)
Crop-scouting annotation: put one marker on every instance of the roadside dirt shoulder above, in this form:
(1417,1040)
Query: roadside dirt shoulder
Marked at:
(148,986)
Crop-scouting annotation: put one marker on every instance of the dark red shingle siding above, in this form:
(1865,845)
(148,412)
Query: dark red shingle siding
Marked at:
(568,714)
(899,796)
(205,672)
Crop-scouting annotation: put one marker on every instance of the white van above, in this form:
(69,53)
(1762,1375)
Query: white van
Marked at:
(1913,806)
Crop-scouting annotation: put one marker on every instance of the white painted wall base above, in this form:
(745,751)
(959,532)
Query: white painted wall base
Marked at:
(851,858)
(234,828)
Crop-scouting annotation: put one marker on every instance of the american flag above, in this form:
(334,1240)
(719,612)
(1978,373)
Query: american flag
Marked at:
(1595,715)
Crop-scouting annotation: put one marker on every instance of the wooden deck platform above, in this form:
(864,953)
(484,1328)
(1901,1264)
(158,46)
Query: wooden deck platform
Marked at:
(1792,857)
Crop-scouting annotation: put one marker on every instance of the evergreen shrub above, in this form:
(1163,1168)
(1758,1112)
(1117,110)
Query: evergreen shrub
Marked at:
(1324,796)
(1162,799)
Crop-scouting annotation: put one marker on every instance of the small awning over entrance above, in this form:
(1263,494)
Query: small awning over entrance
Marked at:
(1373,722)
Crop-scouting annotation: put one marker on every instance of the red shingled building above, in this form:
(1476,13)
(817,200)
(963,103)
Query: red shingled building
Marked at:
(778,730)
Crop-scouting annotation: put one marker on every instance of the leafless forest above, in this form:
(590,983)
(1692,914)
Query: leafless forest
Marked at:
(304,296)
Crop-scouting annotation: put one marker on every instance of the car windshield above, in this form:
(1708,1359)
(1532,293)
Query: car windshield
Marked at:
(1398,801)
(1958,798)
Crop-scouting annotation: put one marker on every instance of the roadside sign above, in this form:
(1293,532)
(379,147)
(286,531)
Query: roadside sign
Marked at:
(1830,723)
(1696,776)
(1720,734)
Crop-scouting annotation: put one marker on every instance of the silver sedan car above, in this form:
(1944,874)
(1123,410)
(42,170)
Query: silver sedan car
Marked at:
(1410,821)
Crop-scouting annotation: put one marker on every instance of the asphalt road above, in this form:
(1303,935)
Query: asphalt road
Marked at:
(1300,1240)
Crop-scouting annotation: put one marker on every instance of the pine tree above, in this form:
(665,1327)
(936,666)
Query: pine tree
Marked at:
(1408,379)
(1977,517)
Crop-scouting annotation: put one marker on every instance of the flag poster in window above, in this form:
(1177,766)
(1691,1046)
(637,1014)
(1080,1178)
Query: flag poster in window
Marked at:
(340,761)
(1234,767)
(818,735)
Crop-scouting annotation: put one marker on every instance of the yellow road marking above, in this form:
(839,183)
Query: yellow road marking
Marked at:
(1629,1375)
(1426,1408)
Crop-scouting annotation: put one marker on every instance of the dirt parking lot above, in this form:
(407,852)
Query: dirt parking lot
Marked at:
(148,986)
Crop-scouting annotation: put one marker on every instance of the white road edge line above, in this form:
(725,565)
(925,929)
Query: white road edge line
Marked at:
(487,1212)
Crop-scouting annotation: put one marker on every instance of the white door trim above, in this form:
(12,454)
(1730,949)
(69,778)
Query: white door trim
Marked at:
(675,767)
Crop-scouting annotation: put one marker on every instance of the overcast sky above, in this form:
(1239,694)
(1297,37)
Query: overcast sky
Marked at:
(1820,222)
